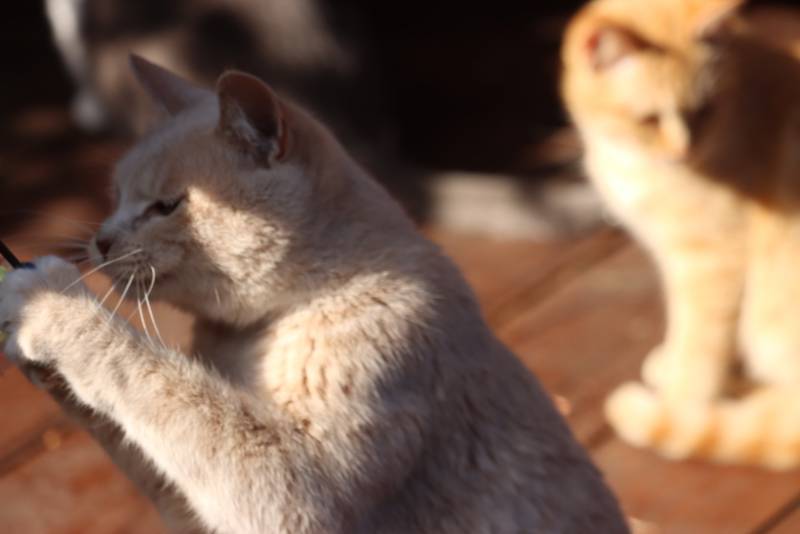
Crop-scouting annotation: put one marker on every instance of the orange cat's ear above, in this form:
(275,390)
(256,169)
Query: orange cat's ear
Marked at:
(170,92)
(607,45)
(715,17)
(251,116)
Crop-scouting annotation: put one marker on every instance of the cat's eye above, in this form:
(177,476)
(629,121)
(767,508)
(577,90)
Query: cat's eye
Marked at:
(651,120)
(165,207)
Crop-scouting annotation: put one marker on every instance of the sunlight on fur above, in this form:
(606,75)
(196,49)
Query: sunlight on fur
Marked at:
(342,379)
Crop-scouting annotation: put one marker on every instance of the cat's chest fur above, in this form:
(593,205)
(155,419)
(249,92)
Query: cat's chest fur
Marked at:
(655,196)
(288,362)
(234,353)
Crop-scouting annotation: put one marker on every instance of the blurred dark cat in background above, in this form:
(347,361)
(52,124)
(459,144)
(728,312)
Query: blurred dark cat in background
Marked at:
(453,110)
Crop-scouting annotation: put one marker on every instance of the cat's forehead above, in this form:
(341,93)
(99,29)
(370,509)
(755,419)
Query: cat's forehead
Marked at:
(164,155)
(671,24)
(657,84)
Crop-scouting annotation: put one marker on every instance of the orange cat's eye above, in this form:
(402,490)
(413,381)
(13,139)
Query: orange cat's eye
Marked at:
(651,120)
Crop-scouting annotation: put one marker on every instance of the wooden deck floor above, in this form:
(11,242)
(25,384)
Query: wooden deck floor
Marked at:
(581,314)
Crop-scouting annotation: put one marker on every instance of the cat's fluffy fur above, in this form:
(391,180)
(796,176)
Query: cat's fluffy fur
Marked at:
(692,130)
(343,381)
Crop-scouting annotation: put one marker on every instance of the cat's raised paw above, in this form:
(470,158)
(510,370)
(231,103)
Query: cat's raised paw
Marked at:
(22,289)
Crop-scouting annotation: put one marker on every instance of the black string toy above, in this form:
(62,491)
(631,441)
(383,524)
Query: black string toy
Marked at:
(15,264)
(9,256)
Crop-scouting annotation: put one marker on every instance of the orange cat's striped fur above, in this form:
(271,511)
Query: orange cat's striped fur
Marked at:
(692,130)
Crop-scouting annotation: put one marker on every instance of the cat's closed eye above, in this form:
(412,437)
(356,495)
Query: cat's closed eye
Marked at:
(165,207)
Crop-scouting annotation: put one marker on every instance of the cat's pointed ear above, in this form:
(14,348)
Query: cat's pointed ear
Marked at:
(170,92)
(252,117)
(716,17)
(609,44)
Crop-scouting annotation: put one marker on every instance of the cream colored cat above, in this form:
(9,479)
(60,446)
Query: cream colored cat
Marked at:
(692,130)
(344,381)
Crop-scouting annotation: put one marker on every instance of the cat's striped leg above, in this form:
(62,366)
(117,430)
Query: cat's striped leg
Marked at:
(703,285)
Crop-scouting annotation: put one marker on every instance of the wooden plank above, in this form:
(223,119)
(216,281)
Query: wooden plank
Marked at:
(591,335)
(26,413)
(506,274)
(786,523)
(479,260)
(73,487)
(693,496)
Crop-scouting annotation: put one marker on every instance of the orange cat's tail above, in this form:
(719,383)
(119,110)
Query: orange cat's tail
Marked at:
(763,428)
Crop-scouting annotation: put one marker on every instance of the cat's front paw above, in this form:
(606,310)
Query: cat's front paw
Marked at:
(680,378)
(26,295)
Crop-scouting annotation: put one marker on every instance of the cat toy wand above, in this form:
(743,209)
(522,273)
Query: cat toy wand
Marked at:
(14,263)
(9,256)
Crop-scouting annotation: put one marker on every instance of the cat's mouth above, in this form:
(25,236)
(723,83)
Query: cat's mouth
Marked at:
(129,269)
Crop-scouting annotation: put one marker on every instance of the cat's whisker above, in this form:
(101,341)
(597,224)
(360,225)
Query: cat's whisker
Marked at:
(153,320)
(44,248)
(77,261)
(108,294)
(130,315)
(122,297)
(141,313)
(150,308)
(84,226)
(55,243)
(101,266)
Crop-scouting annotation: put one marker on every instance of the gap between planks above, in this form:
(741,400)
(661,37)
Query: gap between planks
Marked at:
(578,258)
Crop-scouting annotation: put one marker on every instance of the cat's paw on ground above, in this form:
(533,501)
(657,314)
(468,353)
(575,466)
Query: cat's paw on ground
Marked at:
(676,429)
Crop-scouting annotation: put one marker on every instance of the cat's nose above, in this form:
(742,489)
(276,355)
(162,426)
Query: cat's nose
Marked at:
(103,245)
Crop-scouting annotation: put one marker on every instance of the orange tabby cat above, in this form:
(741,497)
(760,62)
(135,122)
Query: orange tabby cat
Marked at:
(692,130)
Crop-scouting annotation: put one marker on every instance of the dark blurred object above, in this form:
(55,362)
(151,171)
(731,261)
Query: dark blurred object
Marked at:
(43,158)
(455,85)
(413,88)
(449,107)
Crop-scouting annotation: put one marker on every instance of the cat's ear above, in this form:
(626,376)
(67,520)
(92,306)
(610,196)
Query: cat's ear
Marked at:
(252,117)
(609,44)
(169,91)
(716,17)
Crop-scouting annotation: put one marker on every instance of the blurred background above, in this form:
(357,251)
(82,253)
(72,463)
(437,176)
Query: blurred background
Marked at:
(454,107)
